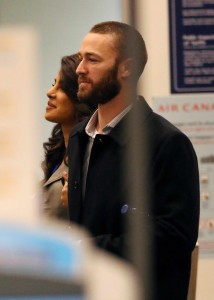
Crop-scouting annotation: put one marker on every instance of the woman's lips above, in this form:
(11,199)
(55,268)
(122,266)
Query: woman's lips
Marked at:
(50,105)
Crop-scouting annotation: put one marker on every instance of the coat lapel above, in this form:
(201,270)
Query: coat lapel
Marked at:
(57,175)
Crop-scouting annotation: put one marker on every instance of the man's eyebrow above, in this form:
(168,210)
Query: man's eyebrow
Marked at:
(89,54)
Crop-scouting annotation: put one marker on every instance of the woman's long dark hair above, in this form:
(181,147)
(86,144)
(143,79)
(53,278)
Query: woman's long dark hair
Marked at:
(54,148)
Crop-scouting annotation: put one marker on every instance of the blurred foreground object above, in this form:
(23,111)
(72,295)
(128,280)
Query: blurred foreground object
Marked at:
(18,124)
(50,261)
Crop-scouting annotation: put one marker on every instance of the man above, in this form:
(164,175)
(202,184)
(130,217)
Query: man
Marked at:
(113,56)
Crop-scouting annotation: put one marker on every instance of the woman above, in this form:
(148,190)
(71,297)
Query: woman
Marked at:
(64,109)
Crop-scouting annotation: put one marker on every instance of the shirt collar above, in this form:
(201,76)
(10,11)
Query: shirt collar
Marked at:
(91,126)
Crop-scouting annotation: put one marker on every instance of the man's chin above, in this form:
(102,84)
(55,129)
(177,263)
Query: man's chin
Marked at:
(83,97)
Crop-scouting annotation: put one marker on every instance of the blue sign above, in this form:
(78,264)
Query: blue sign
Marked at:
(191,46)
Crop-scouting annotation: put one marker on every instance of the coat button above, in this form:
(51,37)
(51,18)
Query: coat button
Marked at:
(124,209)
(76,185)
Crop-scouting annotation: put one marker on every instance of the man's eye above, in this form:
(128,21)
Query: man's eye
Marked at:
(93,60)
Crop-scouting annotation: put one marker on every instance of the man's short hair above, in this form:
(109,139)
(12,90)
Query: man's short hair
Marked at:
(129,42)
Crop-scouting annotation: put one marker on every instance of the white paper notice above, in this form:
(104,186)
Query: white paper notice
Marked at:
(194,115)
(18,132)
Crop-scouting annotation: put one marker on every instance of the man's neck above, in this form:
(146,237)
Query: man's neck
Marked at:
(108,111)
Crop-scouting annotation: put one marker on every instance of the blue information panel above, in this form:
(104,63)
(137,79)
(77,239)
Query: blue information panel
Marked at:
(192,46)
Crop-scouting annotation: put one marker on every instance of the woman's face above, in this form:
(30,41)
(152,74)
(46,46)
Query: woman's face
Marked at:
(60,108)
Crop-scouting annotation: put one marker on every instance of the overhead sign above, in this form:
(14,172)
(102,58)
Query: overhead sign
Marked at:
(191,46)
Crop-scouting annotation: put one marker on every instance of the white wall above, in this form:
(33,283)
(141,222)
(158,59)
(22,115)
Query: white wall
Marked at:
(61,25)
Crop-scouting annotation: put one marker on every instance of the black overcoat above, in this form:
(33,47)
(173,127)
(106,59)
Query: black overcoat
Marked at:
(173,211)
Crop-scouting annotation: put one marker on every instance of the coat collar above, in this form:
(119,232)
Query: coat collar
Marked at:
(121,133)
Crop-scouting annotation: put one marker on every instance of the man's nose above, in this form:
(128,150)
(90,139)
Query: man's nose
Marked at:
(81,68)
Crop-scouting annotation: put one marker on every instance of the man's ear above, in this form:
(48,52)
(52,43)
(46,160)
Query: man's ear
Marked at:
(127,67)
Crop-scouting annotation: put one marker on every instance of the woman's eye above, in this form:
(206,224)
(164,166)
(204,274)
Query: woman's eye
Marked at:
(53,84)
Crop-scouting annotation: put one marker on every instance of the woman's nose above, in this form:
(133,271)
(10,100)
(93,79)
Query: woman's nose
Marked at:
(50,93)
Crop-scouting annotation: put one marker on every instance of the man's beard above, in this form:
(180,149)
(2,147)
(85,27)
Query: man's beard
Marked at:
(103,91)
